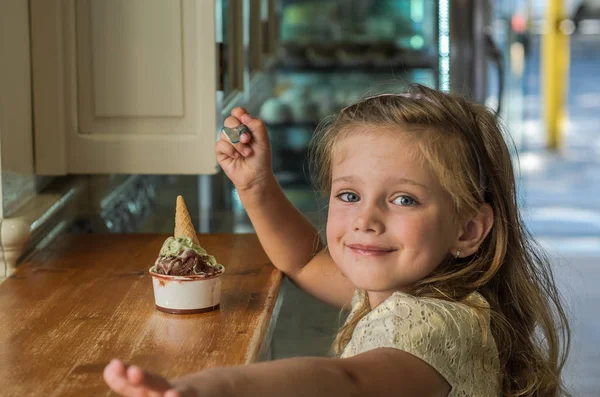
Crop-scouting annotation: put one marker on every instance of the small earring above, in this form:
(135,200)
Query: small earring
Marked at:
(457,253)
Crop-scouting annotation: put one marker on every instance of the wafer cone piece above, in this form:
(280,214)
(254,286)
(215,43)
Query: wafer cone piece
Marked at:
(183,222)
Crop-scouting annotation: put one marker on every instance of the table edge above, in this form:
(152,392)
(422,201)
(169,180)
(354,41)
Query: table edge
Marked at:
(261,332)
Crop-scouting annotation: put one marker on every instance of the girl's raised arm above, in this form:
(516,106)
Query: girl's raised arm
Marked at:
(288,238)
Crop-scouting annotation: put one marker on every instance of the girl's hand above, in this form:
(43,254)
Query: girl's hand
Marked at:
(132,381)
(248,162)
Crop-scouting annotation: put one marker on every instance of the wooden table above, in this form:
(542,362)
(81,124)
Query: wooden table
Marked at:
(88,298)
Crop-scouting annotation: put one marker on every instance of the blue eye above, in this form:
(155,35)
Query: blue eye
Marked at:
(404,201)
(348,197)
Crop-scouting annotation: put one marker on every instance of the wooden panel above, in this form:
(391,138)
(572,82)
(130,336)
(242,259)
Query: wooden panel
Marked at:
(88,298)
(133,51)
(110,101)
(48,81)
(16,134)
(124,87)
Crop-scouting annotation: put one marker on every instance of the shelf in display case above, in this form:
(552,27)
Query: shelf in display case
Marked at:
(333,58)
(420,64)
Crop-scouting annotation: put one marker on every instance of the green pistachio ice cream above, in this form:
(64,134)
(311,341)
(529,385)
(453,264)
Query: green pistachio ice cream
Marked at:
(182,257)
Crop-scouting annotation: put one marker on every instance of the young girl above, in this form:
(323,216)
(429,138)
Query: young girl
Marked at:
(425,247)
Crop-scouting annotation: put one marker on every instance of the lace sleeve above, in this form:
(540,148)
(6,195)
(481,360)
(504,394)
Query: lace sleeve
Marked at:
(449,336)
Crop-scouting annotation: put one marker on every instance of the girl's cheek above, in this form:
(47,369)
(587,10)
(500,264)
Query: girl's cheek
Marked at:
(411,230)
(336,213)
(331,228)
(333,225)
(338,220)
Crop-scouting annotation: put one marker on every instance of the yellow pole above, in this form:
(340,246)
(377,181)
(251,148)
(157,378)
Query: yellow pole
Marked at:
(555,64)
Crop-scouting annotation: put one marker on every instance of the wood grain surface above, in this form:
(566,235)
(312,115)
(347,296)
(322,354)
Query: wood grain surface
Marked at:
(88,298)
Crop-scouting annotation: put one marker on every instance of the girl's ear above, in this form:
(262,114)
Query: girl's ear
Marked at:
(473,232)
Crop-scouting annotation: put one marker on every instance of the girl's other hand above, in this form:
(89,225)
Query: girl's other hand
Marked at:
(247,162)
(132,381)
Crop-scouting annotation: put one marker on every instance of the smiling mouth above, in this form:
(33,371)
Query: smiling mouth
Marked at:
(370,250)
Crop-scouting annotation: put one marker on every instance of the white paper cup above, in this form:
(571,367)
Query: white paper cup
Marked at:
(186,294)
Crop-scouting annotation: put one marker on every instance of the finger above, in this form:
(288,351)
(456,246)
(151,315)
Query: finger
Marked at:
(114,372)
(232,121)
(257,127)
(115,376)
(234,149)
(135,375)
(245,138)
(138,377)
(224,149)
(238,112)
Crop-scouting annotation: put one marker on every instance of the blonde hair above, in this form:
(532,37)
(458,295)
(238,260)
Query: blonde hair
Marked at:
(464,147)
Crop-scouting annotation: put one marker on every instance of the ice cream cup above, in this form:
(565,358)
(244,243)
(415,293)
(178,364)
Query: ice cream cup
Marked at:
(186,294)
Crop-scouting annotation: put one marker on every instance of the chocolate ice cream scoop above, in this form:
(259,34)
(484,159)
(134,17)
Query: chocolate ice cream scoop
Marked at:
(182,257)
(186,264)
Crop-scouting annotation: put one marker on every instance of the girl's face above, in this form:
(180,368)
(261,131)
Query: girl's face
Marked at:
(390,221)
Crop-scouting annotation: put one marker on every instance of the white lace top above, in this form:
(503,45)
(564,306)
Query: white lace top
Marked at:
(446,335)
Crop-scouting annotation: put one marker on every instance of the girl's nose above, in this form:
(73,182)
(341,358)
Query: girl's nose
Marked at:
(368,221)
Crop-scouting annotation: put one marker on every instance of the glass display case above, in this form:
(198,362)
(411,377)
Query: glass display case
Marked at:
(358,34)
(334,52)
